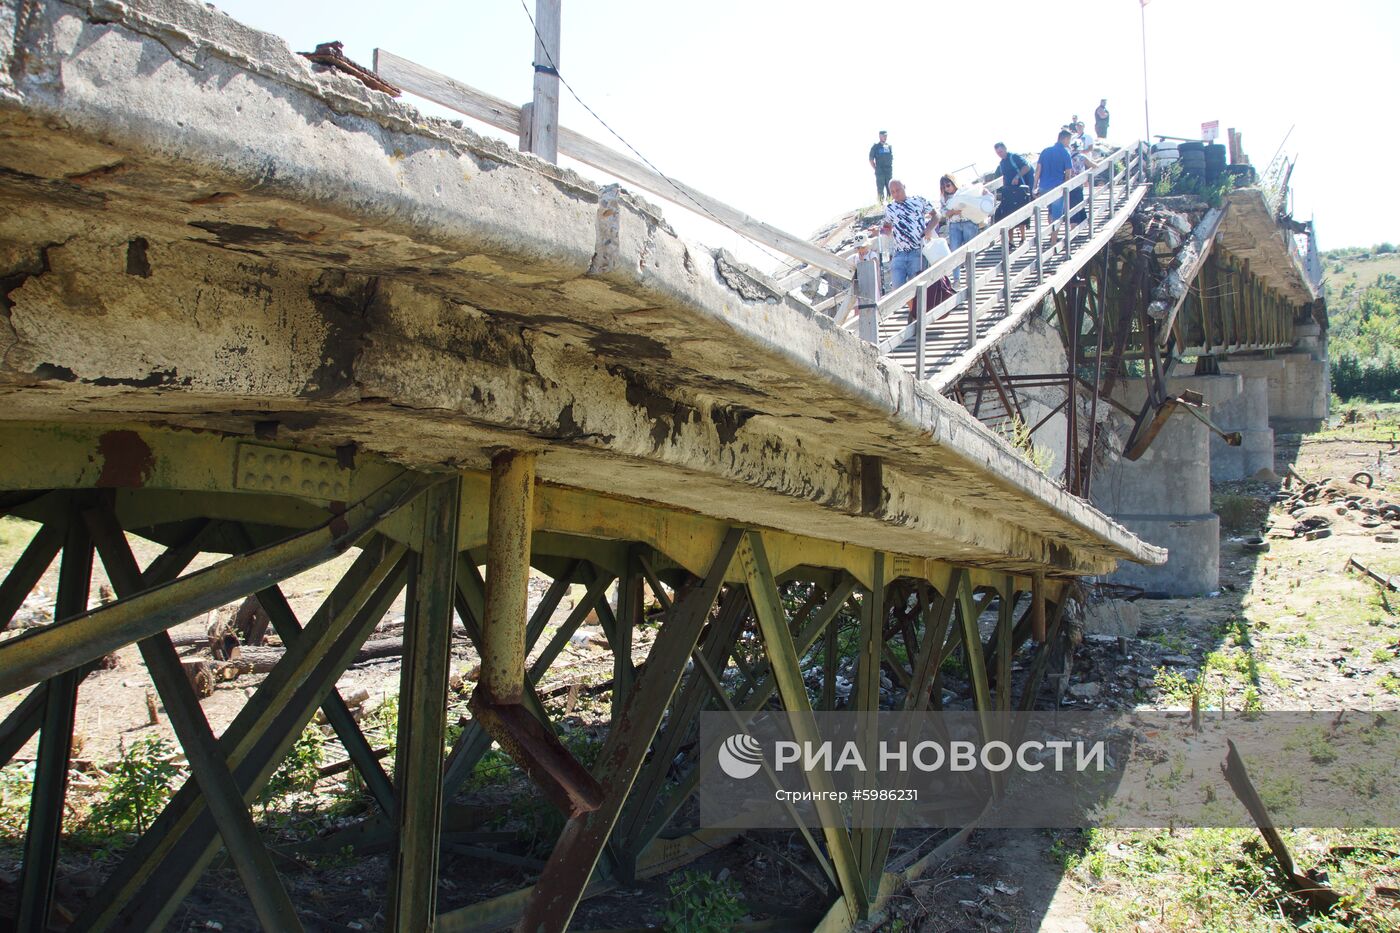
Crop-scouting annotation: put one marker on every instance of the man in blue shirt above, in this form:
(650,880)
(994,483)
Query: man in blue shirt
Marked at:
(1015,172)
(1054,168)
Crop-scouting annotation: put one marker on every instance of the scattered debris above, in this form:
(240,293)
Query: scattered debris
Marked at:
(1384,582)
(1312,508)
(1311,887)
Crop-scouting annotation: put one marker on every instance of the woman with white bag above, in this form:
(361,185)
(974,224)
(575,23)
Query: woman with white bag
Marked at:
(963,211)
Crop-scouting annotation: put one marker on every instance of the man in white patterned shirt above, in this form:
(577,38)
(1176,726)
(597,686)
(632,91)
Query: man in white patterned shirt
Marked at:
(910,221)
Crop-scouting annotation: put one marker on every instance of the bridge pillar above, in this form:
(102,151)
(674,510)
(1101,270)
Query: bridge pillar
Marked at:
(1164,496)
(1299,396)
(1248,414)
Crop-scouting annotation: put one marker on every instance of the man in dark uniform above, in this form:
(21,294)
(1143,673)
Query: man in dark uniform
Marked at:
(882,161)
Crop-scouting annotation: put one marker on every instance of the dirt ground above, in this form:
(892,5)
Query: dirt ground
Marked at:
(1318,637)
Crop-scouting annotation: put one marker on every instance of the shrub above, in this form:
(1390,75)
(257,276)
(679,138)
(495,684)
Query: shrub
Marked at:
(299,771)
(137,787)
(702,903)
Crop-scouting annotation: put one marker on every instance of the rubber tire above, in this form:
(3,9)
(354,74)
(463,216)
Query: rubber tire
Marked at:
(1191,147)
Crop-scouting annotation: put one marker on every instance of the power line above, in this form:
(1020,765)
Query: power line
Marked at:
(553,67)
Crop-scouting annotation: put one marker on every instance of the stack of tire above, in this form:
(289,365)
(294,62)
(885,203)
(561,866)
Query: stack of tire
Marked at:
(1202,160)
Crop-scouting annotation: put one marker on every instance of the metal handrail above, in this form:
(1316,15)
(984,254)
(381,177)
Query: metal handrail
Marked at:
(901,295)
(1116,175)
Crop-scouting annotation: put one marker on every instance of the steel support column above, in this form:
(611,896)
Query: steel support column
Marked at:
(55,744)
(413,880)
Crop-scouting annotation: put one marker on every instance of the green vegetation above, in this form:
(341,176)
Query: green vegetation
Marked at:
(298,772)
(1363,303)
(702,903)
(137,787)
(1226,880)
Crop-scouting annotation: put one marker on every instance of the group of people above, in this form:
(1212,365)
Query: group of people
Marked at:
(912,221)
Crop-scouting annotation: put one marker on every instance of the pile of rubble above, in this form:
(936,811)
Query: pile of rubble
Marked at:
(1313,510)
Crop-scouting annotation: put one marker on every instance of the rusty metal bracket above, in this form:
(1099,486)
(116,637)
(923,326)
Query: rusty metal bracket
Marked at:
(331,55)
(1145,430)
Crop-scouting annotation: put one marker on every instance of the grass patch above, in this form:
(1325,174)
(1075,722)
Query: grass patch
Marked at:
(1239,513)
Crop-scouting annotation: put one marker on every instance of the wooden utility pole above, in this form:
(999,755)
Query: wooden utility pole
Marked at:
(540,126)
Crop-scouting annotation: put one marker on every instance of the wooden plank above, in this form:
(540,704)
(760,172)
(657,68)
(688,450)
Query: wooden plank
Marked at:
(544,111)
(478,105)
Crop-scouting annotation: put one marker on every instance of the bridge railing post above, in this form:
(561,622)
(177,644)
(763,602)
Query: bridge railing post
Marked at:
(1039,248)
(1006,268)
(1064,201)
(867,287)
(970,273)
(1090,199)
(920,332)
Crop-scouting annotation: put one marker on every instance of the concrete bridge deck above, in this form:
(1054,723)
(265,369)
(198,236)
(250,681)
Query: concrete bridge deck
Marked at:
(202,231)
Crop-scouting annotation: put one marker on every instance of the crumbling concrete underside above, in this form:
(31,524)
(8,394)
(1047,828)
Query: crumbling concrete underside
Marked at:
(200,230)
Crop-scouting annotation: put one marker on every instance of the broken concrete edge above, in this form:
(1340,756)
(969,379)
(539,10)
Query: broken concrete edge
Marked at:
(1250,231)
(761,316)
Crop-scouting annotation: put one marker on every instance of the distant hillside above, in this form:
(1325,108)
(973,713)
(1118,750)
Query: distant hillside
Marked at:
(1363,307)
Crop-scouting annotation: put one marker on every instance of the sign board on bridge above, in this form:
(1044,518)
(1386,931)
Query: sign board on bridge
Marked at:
(1210,131)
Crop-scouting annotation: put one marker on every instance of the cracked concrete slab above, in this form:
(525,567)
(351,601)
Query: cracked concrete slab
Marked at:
(202,229)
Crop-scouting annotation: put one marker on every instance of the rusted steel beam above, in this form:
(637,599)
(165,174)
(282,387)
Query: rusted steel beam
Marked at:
(338,714)
(1391,583)
(143,891)
(250,858)
(44,652)
(787,674)
(1042,654)
(50,786)
(562,883)
(523,729)
(719,641)
(26,571)
(509,523)
(413,877)
(474,740)
(332,55)
(824,620)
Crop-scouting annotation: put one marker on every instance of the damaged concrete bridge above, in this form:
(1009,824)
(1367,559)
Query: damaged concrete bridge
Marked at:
(253,308)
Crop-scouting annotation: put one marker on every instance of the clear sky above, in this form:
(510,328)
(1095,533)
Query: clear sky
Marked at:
(772,106)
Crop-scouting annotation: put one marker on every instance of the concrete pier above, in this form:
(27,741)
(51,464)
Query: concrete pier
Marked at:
(1164,497)
(1248,414)
(1300,392)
